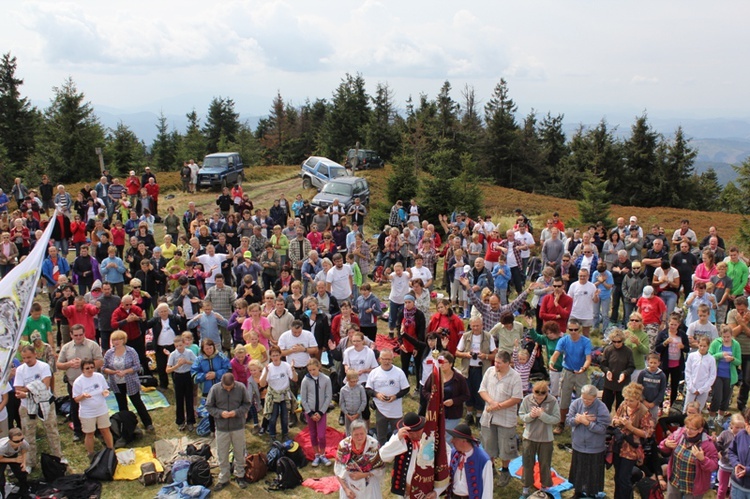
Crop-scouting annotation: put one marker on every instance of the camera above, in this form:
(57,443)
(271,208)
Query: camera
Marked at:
(474,355)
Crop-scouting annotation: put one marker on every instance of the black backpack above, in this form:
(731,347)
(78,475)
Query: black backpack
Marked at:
(52,467)
(199,473)
(287,475)
(277,451)
(204,451)
(297,455)
(103,466)
(71,487)
(123,426)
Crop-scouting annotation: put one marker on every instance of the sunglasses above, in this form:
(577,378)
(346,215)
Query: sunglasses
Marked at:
(634,320)
(136,287)
(539,392)
(616,342)
(17,441)
(574,329)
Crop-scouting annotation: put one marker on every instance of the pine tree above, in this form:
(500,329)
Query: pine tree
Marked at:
(594,205)
(676,160)
(349,114)
(381,133)
(501,146)
(193,142)
(18,118)
(68,138)
(221,119)
(554,149)
(437,191)
(403,183)
(469,196)
(123,150)
(532,167)
(447,117)
(732,200)
(643,182)
(165,149)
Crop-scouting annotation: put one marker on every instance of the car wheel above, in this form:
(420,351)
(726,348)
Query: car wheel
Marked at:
(306,183)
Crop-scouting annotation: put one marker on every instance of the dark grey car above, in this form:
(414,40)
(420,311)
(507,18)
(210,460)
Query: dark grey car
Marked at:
(345,189)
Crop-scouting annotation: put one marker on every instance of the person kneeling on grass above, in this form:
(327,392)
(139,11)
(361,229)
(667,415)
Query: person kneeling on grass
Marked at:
(13,454)
(316,394)
(90,391)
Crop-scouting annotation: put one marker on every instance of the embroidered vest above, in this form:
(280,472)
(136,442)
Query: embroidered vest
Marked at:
(400,469)
(473,467)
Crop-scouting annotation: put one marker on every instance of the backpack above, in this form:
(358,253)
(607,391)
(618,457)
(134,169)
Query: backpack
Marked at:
(204,451)
(287,475)
(123,426)
(277,451)
(149,476)
(180,471)
(52,467)
(204,428)
(256,467)
(62,406)
(199,473)
(103,466)
(295,453)
(148,381)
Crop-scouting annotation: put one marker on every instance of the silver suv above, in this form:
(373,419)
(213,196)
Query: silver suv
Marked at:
(318,171)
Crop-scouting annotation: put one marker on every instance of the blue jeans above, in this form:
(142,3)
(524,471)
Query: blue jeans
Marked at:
(279,408)
(393,312)
(62,246)
(601,313)
(735,493)
(670,300)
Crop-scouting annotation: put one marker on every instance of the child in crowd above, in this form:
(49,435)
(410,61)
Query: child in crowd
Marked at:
(256,368)
(278,375)
(189,340)
(501,275)
(455,271)
(239,363)
(356,276)
(700,374)
(316,395)
(654,383)
(723,442)
(178,365)
(522,363)
(701,328)
(352,399)
(722,287)
(13,453)
(118,238)
(255,349)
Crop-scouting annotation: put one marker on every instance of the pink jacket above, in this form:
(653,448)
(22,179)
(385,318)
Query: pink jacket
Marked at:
(703,469)
(84,317)
(702,274)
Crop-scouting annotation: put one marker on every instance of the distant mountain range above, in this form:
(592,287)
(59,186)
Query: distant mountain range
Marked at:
(720,142)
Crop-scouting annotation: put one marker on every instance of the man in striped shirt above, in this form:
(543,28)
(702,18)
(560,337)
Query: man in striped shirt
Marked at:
(491,312)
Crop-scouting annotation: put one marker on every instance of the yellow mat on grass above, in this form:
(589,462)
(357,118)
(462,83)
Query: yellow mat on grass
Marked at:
(133,471)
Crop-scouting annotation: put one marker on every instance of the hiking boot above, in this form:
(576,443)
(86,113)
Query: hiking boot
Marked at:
(316,462)
(503,479)
(220,486)
(262,431)
(341,419)
(241,483)
(77,437)
(284,437)
(150,428)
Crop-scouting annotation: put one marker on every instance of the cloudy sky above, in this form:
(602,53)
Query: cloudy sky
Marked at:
(677,59)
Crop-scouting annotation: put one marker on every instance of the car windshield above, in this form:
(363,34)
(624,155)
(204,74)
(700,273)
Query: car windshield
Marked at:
(337,172)
(337,189)
(215,162)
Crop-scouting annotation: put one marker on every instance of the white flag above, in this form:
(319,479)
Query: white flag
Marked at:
(16,296)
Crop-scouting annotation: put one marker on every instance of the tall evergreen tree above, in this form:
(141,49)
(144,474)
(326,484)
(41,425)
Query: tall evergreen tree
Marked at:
(447,123)
(501,141)
(641,163)
(554,148)
(532,168)
(193,142)
(403,183)
(469,195)
(221,120)
(349,114)
(18,118)
(594,205)
(675,173)
(707,191)
(381,132)
(165,149)
(732,199)
(123,150)
(69,136)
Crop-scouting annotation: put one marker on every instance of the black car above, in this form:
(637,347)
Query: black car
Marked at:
(363,159)
(345,189)
(222,169)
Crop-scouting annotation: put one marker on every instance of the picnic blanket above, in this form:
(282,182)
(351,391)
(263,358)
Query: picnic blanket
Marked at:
(333,437)
(325,485)
(153,400)
(133,471)
(560,484)
(382,342)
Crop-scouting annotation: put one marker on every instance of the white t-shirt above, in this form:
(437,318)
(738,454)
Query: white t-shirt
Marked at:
(166,337)
(26,375)
(360,360)
(526,239)
(421,273)
(4,412)
(672,274)
(287,340)
(341,289)
(399,287)
(476,343)
(583,300)
(388,383)
(209,261)
(510,257)
(96,405)
(279,376)
(696,330)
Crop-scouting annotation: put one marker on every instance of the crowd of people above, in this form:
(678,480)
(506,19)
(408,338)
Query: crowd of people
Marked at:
(271,316)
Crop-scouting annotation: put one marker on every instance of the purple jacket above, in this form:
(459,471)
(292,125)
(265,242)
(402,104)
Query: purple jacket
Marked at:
(739,453)
(703,469)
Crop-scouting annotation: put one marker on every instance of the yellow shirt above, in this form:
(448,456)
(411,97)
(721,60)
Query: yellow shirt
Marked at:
(256,353)
(168,253)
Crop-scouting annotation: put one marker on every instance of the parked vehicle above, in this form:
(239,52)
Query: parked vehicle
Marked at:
(363,159)
(345,189)
(318,171)
(221,169)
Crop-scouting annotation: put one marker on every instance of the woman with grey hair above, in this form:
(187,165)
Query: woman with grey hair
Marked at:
(588,419)
(358,467)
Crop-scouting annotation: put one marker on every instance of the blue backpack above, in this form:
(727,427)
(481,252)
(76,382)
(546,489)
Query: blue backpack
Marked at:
(204,428)
(180,471)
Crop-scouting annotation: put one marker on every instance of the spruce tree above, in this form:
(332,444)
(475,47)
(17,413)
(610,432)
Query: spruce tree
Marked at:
(18,118)
(165,149)
(501,139)
(221,119)
(594,205)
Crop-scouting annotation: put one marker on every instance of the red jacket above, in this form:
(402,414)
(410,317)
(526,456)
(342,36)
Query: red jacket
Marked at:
(336,326)
(153,190)
(549,311)
(78,229)
(133,329)
(455,328)
(85,317)
(133,185)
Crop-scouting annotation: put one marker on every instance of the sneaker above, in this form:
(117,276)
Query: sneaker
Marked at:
(341,419)
(316,462)
(77,437)
(220,486)
(182,427)
(150,428)
(325,461)
(241,483)
(64,461)
(503,479)
(190,427)
(262,431)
